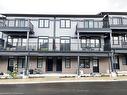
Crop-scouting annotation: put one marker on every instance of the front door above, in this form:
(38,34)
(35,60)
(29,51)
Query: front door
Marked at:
(10,64)
(49,64)
(59,64)
(95,66)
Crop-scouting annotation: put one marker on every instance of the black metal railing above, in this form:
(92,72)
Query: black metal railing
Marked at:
(119,44)
(58,47)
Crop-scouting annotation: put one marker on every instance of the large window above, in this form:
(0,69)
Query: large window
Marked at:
(43,43)
(67,63)
(90,43)
(116,20)
(93,24)
(115,40)
(39,62)
(84,63)
(44,23)
(65,44)
(20,22)
(65,23)
(21,62)
(124,60)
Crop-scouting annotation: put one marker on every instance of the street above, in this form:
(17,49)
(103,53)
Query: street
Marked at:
(89,88)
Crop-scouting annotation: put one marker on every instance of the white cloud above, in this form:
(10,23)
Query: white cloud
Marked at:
(61,6)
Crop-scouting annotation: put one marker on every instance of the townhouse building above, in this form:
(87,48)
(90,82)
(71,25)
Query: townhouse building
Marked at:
(65,44)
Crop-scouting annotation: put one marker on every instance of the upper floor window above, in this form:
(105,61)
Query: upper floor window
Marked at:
(115,40)
(19,22)
(65,23)
(43,23)
(85,43)
(93,24)
(116,20)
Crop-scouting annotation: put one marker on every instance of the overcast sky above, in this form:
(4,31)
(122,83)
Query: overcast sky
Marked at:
(62,6)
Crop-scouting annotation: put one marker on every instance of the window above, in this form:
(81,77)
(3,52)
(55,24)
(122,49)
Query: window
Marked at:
(96,24)
(43,23)
(115,40)
(65,23)
(65,44)
(91,24)
(124,21)
(43,43)
(116,20)
(86,24)
(39,62)
(84,63)
(21,62)
(124,60)
(67,63)
(90,43)
(20,22)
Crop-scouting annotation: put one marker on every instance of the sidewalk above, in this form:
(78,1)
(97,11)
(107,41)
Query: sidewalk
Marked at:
(57,80)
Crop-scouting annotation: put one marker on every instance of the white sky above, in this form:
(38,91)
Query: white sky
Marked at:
(62,6)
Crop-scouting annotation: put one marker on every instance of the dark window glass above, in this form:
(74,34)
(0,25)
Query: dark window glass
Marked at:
(84,63)
(21,62)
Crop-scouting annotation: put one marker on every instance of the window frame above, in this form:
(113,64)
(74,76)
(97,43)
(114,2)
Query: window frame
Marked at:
(22,64)
(65,23)
(69,62)
(113,41)
(39,66)
(88,41)
(44,24)
(84,62)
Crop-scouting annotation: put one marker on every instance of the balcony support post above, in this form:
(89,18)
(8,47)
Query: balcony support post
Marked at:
(26,57)
(78,72)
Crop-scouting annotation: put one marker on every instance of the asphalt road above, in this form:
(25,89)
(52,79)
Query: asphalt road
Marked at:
(90,88)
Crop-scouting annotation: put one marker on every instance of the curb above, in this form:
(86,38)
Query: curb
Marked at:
(71,81)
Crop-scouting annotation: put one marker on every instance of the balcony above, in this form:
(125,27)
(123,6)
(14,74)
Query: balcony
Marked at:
(121,47)
(92,27)
(118,23)
(14,26)
(48,49)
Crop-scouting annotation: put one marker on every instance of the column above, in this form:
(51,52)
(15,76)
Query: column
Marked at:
(26,57)
(78,56)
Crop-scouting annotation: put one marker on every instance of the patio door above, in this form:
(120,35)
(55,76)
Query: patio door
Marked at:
(65,44)
(10,64)
(49,64)
(43,43)
(95,66)
(59,64)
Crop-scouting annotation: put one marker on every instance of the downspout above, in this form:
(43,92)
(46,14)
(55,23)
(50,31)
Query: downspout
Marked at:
(54,34)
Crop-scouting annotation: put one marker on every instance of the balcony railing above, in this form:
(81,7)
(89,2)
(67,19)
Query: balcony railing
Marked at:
(57,47)
(16,23)
(118,23)
(88,24)
(120,44)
